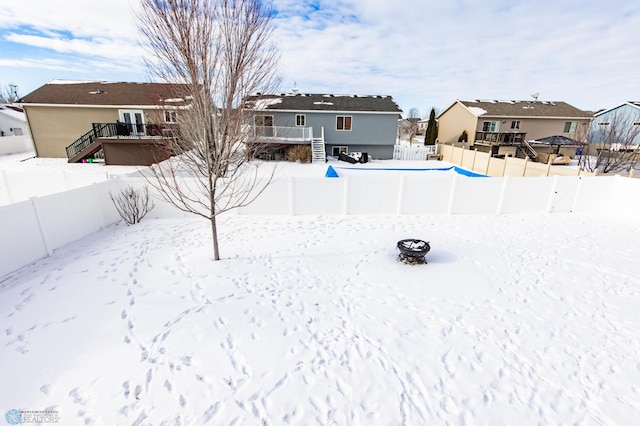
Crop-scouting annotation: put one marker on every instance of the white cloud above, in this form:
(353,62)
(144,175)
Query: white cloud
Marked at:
(431,53)
(107,48)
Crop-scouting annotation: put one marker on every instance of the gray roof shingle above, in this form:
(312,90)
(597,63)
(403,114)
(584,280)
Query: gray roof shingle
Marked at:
(322,102)
(526,108)
(60,92)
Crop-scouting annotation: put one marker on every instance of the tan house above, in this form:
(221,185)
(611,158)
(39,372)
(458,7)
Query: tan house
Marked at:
(77,119)
(512,127)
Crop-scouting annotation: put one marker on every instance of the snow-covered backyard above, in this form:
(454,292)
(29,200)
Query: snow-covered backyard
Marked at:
(516,319)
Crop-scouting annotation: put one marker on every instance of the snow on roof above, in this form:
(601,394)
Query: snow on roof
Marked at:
(477,111)
(266,102)
(76,82)
(16,115)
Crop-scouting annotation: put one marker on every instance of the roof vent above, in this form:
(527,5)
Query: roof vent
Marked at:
(97,92)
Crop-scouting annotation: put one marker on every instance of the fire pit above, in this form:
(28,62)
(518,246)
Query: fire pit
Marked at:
(413,251)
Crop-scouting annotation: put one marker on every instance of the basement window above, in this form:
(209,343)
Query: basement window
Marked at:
(337,150)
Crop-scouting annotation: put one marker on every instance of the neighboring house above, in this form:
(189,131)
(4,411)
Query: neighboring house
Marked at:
(404,128)
(331,124)
(14,131)
(505,127)
(77,119)
(422,126)
(618,125)
(12,121)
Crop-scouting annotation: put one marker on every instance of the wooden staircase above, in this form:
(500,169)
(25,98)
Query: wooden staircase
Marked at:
(318,153)
(88,144)
(528,150)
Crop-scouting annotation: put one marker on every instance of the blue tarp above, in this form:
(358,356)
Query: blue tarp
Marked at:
(331,172)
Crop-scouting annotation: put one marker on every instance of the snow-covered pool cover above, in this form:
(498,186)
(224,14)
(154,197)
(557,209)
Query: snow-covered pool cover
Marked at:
(419,169)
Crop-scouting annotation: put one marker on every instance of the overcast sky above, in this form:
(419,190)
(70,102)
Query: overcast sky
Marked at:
(423,53)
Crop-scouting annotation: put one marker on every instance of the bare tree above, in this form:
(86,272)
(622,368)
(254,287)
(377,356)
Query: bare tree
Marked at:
(9,94)
(611,144)
(220,51)
(413,116)
(132,204)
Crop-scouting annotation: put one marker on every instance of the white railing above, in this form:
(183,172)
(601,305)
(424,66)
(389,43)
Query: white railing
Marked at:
(419,152)
(283,133)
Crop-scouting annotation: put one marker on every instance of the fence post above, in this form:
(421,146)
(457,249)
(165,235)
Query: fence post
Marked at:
(45,241)
(473,163)
(400,195)
(5,184)
(552,196)
(345,194)
(503,190)
(452,196)
(292,199)
(576,195)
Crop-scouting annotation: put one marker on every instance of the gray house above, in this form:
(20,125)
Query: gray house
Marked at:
(330,124)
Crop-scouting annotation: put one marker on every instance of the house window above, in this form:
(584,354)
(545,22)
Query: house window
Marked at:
(343,122)
(570,126)
(636,123)
(17,131)
(170,116)
(301,120)
(515,124)
(603,123)
(337,150)
(490,126)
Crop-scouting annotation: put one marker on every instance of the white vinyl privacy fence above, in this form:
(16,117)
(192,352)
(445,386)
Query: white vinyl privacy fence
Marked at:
(34,228)
(413,152)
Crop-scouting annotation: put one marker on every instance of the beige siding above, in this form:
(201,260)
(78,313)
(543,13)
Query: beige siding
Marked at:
(536,127)
(453,121)
(53,128)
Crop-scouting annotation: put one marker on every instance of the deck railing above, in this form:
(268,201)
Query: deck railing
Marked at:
(114,130)
(282,133)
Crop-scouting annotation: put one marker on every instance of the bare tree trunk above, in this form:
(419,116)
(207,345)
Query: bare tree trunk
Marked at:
(214,229)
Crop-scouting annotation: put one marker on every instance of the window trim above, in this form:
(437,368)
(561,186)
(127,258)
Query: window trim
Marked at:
(304,120)
(344,120)
(515,124)
(570,127)
(493,126)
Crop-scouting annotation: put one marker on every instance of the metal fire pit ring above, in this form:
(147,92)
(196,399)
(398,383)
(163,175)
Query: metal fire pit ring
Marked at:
(413,251)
